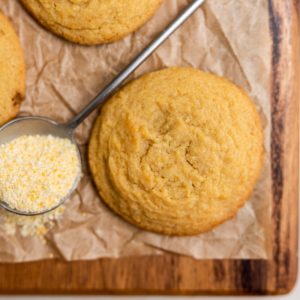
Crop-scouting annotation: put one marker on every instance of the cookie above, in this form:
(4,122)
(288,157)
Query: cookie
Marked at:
(12,71)
(92,22)
(177,151)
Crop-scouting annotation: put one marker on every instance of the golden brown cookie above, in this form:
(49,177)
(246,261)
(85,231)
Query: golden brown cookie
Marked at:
(177,151)
(92,22)
(12,71)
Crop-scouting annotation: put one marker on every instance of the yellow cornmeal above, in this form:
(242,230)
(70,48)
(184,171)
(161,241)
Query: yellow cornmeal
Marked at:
(36,172)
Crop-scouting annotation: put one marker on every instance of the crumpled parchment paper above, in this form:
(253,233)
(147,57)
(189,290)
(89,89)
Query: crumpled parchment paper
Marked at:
(227,37)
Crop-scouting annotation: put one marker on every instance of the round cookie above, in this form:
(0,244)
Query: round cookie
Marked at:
(92,22)
(177,151)
(12,71)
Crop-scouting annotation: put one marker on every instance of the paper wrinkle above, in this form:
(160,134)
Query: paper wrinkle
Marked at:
(226,37)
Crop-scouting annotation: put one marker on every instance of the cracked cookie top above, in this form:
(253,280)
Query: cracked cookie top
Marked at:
(177,151)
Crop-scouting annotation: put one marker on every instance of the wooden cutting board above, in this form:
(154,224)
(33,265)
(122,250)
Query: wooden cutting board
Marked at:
(175,274)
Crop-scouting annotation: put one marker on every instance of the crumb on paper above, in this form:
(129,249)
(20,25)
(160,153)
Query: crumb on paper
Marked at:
(34,226)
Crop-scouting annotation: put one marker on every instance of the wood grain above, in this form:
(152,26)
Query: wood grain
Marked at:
(173,274)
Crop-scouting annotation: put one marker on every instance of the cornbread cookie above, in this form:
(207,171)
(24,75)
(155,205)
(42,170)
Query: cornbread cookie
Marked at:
(177,151)
(12,71)
(92,21)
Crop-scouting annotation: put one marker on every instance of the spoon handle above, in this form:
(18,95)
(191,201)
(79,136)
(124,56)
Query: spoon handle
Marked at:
(138,60)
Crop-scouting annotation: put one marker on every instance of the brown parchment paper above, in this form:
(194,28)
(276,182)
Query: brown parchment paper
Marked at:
(227,37)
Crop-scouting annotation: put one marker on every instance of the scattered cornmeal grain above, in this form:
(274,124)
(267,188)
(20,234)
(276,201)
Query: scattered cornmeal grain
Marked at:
(37,171)
(30,226)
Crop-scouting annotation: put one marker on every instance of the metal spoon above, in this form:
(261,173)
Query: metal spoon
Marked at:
(44,126)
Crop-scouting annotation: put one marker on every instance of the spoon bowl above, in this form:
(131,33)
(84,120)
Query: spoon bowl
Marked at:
(37,126)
